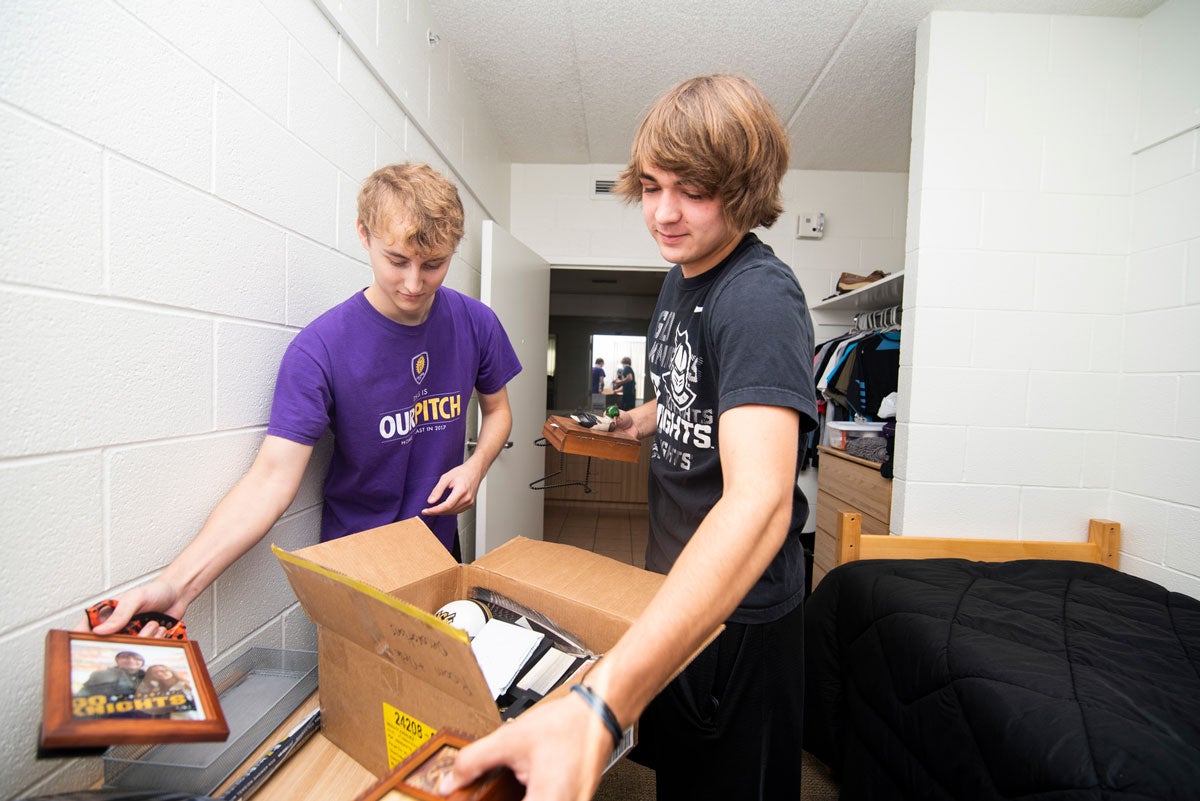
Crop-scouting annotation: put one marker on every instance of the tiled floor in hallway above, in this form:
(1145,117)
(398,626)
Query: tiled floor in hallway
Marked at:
(618,533)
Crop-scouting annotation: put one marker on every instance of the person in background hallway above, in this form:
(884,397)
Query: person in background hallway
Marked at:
(598,376)
(625,381)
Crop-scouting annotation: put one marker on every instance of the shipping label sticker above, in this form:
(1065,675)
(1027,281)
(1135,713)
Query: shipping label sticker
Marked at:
(404,734)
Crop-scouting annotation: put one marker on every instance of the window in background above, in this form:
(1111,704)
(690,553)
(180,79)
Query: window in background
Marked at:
(612,348)
(551,360)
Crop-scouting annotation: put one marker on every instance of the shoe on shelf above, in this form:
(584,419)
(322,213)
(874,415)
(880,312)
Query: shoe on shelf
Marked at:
(849,281)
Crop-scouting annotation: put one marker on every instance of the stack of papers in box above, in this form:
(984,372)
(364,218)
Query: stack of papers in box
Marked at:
(502,649)
(547,672)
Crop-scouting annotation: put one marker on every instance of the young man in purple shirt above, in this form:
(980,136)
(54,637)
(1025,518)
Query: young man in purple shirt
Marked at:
(389,372)
(598,376)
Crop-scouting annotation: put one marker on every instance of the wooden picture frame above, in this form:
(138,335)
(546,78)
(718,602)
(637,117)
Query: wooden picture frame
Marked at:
(420,773)
(94,692)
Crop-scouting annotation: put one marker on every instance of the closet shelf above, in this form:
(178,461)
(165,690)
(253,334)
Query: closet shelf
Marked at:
(887,291)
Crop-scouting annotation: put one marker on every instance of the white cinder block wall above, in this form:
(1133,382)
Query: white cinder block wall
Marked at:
(1049,356)
(1018,232)
(179,190)
(1156,483)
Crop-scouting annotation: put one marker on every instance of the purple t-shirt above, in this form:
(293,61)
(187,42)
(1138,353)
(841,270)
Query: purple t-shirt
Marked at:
(395,398)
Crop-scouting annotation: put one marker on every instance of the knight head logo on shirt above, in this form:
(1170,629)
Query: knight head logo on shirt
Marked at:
(420,366)
(683,371)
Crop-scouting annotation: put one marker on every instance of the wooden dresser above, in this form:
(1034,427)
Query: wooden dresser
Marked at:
(845,482)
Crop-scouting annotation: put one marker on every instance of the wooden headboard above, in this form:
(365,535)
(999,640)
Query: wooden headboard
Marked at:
(1102,546)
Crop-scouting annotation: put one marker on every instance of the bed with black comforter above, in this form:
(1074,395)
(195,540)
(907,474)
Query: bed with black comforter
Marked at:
(1034,679)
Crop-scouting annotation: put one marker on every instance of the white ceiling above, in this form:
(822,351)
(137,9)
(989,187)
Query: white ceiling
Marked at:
(566,81)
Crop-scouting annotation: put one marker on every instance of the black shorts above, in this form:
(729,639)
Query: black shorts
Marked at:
(730,726)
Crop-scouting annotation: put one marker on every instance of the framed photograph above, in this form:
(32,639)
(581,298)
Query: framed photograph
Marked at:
(418,776)
(123,690)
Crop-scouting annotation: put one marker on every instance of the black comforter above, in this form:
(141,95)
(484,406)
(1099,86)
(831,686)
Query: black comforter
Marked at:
(942,678)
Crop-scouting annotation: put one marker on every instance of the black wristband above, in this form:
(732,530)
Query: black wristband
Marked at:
(600,708)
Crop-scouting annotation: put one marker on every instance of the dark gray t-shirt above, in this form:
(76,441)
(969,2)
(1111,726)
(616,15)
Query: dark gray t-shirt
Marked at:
(739,334)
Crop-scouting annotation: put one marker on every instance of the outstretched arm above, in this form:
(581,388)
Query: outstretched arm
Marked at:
(559,748)
(237,523)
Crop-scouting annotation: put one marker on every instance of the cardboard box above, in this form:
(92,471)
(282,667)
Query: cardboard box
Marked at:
(567,436)
(391,673)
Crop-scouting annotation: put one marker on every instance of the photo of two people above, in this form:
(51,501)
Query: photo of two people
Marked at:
(116,680)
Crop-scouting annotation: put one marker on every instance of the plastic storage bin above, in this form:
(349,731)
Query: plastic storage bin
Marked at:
(841,432)
(257,691)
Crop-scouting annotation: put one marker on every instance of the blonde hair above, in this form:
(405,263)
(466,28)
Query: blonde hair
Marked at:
(414,204)
(719,133)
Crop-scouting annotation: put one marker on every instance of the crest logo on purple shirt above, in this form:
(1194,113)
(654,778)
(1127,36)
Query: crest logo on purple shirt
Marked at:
(420,366)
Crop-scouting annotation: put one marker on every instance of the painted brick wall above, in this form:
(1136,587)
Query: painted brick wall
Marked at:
(179,188)
(1015,265)
(1035,385)
(1156,487)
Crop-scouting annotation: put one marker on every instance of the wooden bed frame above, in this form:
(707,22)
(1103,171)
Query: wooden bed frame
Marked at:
(1102,546)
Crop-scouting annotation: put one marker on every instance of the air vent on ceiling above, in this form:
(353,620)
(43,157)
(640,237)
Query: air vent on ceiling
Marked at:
(604,187)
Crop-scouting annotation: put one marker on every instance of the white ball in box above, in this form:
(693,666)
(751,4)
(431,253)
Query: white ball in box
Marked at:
(389,667)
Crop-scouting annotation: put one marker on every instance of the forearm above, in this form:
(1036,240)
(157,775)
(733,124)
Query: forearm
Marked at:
(725,557)
(241,519)
(558,748)
(494,427)
(704,587)
(235,526)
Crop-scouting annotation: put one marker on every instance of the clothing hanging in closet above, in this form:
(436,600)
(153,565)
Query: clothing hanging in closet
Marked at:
(854,372)
(858,370)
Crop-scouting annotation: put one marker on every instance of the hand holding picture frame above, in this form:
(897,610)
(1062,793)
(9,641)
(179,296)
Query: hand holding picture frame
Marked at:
(420,774)
(123,690)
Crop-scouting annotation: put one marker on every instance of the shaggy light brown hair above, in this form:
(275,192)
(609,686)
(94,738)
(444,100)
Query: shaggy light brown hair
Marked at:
(720,134)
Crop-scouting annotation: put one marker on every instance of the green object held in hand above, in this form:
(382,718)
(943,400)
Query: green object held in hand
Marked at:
(613,412)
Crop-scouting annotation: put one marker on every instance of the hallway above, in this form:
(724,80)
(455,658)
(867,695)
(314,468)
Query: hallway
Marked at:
(617,532)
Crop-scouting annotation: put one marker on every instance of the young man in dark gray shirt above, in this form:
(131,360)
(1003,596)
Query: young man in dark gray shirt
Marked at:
(730,357)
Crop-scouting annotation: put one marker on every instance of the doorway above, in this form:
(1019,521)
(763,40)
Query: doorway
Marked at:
(586,303)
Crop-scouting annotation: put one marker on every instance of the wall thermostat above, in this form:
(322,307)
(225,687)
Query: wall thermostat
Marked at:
(810,225)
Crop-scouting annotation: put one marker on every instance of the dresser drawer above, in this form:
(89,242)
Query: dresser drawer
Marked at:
(827,516)
(825,541)
(862,488)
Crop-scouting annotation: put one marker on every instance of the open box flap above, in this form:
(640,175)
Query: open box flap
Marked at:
(614,587)
(431,650)
(619,589)
(387,557)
